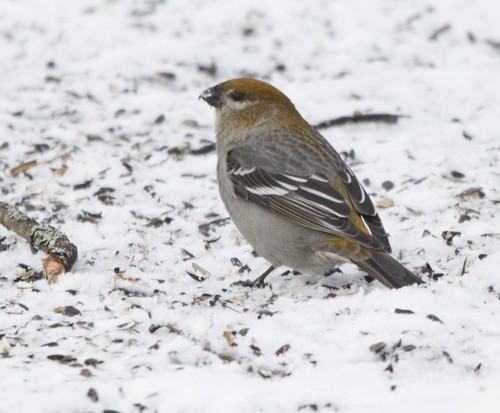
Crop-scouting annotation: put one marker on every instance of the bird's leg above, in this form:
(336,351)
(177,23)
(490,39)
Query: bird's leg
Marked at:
(258,282)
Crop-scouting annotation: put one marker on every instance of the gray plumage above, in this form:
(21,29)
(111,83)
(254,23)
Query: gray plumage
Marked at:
(289,192)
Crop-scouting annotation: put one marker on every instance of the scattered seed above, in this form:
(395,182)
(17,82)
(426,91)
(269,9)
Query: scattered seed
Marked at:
(491,234)
(205,274)
(84,185)
(312,406)
(282,350)
(159,120)
(385,203)
(244,268)
(167,75)
(61,170)
(104,195)
(210,69)
(471,193)
(396,345)
(463,218)
(22,167)
(264,375)
(179,151)
(6,345)
(210,241)
(127,166)
(55,357)
(414,212)
(449,235)
(467,135)
(236,262)
(190,123)
(92,395)
(154,327)
(52,79)
(229,357)
(119,113)
(92,217)
(463,268)
(71,311)
(457,175)
(264,312)
(85,373)
(127,326)
(155,346)
(203,150)
(65,359)
(493,43)
(377,347)
(158,222)
(188,254)
(387,185)
(256,350)
(434,318)
(402,311)
(92,362)
(448,357)
(229,336)
(368,278)
(195,277)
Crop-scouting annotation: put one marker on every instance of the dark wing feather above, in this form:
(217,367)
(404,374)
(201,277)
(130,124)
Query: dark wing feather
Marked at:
(364,206)
(375,226)
(306,198)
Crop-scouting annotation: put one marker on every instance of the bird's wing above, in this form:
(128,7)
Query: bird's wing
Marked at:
(363,205)
(306,197)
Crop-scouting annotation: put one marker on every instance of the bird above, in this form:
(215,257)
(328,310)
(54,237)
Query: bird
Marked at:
(289,192)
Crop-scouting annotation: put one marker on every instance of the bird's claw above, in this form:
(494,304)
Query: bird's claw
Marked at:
(257,283)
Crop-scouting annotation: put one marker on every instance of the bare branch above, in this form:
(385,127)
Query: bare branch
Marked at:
(359,118)
(62,253)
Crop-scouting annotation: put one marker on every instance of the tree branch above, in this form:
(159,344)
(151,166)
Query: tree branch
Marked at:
(62,254)
(359,118)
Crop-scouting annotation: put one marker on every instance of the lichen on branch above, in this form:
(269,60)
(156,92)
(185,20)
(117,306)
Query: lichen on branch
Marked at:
(62,254)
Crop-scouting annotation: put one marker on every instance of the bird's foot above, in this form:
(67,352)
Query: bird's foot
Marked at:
(257,283)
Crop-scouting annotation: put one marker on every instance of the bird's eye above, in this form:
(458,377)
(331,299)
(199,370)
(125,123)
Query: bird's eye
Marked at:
(237,96)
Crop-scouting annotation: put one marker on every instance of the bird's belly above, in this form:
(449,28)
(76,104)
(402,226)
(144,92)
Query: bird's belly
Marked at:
(277,239)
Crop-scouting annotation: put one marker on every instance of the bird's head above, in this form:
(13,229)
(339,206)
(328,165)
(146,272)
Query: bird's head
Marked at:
(248,103)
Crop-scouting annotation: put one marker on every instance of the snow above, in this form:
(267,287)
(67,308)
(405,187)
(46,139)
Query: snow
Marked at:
(89,80)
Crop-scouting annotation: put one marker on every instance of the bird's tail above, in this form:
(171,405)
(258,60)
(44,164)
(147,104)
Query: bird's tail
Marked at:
(388,271)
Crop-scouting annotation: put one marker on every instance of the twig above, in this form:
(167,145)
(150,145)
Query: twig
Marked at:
(22,168)
(434,36)
(210,147)
(62,254)
(493,43)
(359,118)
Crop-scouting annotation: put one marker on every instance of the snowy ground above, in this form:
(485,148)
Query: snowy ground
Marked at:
(103,95)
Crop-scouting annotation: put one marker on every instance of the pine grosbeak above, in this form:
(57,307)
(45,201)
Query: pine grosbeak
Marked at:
(289,192)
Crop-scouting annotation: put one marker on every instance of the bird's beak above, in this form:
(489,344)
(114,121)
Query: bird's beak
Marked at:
(212,96)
